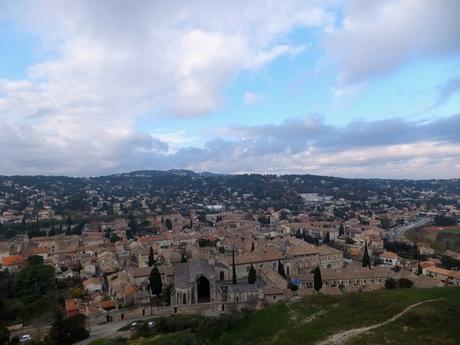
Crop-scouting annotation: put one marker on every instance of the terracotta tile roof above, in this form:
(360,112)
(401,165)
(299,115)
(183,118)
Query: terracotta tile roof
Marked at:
(263,255)
(107,305)
(307,249)
(129,291)
(389,255)
(90,281)
(444,272)
(71,305)
(13,260)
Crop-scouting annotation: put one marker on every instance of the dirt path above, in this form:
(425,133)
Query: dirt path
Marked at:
(341,338)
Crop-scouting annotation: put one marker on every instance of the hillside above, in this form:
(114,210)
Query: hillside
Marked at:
(314,319)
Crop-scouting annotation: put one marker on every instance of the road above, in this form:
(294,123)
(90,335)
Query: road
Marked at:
(400,230)
(101,331)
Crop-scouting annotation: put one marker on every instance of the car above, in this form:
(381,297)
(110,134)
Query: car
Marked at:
(25,338)
(134,324)
(151,324)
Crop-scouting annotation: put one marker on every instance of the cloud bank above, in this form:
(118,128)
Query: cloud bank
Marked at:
(107,63)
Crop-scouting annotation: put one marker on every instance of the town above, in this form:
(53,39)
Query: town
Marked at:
(148,244)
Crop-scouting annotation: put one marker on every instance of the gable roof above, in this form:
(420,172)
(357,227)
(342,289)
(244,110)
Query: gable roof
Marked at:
(13,260)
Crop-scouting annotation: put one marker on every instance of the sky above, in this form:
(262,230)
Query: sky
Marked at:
(357,88)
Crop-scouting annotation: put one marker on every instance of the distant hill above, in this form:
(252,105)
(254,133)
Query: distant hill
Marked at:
(180,188)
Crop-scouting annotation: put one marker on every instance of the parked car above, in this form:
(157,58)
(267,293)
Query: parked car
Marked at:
(25,338)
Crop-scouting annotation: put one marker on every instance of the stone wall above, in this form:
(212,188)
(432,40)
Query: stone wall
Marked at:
(143,311)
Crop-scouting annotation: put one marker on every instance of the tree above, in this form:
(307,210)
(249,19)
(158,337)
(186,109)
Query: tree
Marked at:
(443,220)
(234,267)
(327,238)
(366,258)
(69,222)
(404,283)
(4,333)
(68,331)
(317,280)
(252,275)
(391,283)
(57,333)
(385,222)
(151,257)
(183,259)
(35,260)
(168,224)
(281,269)
(252,246)
(156,285)
(419,268)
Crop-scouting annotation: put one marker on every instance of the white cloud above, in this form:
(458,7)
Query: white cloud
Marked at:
(378,36)
(109,62)
(251,98)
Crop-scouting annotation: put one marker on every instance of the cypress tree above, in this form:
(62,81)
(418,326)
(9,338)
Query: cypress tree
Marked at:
(317,280)
(419,268)
(366,258)
(151,257)
(156,285)
(281,269)
(252,276)
(234,267)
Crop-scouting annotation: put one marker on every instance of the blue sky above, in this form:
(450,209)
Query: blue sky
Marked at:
(97,88)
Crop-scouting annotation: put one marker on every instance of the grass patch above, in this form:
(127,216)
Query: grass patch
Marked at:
(317,317)
(455,231)
(97,342)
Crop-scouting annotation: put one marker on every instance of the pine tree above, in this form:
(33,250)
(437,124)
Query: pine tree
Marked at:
(317,280)
(366,258)
(151,257)
(252,275)
(156,285)
(234,267)
(419,268)
(281,269)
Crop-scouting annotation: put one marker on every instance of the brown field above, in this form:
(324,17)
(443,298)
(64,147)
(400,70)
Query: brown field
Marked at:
(440,238)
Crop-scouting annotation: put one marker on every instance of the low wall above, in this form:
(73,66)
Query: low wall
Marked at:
(143,311)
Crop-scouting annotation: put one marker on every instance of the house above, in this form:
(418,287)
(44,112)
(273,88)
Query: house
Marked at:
(71,307)
(389,258)
(330,257)
(92,285)
(13,262)
(449,277)
(4,249)
(350,279)
(264,257)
